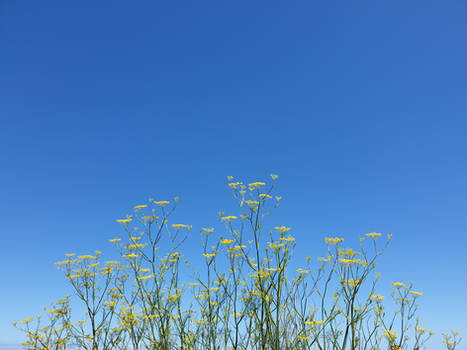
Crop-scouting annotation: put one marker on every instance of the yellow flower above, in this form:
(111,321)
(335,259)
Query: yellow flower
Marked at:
(161,203)
(325,259)
(27,320)
(228,218)
(403,299)
(334,240)
(274,176)
(70,255)
(114,240)
(150,217)
(140,206)
(256,184)
(264,196)
(110,303)
(287,239)
(209,255)
(112,262)
(351,282)
(373,235)
(124,221)
(377,297)
(142,278)
(311,323)
(420,329)
(86,257)
(235,185)
(416,293)
(282,229)
(390,334)
(132,255)
(65,262)
(227,241)
(179,225)
(398,284)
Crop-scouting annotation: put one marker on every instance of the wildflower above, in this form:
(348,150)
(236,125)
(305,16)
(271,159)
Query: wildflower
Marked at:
(173,297)
(390,334)
(287,239)
(256,185)
(124,221)
(345,261)
(416,293)
(312,323)
(274,176)
(150,217)
(140,206)
(86,257)
(398,284)
(235,185)
(403,299)
(209,255)
(237,247)
(420,329)
(135,246)
(70,255)
(275,245)
(373,235)
(264,196)
(114,240)
(161,203)
(282,229)
(27,320)
(110,304)
(325,259)
(334,240)
(65,262)
(112,262)
(351,282)
(132,255)
(228,218)
(208,230)
(142,278)
(227,241)
(377,297)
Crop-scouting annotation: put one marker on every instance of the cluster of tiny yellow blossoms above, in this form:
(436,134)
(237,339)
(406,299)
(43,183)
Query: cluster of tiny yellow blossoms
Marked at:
(334,240)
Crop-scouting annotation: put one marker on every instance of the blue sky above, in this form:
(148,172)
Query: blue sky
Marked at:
(359,106)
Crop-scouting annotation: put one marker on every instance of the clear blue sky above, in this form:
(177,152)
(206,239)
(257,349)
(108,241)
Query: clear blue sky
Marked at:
(359,106)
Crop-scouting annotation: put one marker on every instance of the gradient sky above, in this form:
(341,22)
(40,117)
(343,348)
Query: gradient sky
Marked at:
(359,106)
